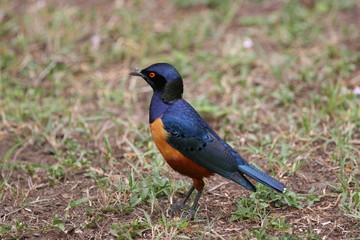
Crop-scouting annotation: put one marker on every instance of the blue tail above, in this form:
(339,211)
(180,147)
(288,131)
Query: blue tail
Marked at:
(262,177)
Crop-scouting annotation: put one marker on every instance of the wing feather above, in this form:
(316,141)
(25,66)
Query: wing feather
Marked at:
(191,136)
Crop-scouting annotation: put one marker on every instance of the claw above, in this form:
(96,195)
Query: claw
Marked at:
(186,212)
(181,206)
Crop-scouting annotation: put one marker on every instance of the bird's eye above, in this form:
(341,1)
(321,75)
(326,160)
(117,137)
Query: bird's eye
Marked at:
(152,74)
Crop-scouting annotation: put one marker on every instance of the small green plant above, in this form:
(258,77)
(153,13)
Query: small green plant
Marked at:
(56,172)
(5,158)
(19,226)
(260,202)
(262,234)
(279,224)
(76,203)
(279,153)
(16,230)
(251,209)
(6,231)
(108,156)
(128,230)
(58,222)
(74,156)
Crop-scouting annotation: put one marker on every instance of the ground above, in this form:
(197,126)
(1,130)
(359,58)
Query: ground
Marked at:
(276,79)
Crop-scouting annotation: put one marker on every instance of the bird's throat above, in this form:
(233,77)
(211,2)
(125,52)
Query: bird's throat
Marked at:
(157,107)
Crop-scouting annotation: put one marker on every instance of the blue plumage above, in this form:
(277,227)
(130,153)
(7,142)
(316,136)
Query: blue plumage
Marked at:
(193,137)
(187,142)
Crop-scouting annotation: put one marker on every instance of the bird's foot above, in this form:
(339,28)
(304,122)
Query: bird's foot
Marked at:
(162,202)
(179,206)
(185,212)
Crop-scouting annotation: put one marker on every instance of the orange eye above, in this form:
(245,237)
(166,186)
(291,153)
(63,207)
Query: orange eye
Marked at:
(152,74)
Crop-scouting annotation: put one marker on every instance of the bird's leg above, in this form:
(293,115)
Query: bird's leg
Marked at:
(195,203)
(188,194)
(196,200)
(181,205)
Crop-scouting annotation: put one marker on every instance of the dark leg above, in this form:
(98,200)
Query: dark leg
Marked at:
(181,205)
(194,206)
(188,195)
(196,200)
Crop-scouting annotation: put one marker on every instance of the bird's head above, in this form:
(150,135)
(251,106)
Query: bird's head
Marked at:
(164,79)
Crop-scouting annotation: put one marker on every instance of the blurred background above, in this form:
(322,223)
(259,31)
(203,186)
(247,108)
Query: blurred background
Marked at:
(279,80)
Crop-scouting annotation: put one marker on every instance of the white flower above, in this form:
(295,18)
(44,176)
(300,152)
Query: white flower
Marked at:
(248,42)
(356,90)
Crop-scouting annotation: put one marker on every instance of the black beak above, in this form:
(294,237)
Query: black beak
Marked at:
(140,74)
(137,73)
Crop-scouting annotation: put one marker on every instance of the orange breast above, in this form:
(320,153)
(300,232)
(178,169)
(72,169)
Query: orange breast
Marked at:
(173,157)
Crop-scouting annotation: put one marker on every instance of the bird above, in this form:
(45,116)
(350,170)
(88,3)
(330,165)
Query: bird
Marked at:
(187,143)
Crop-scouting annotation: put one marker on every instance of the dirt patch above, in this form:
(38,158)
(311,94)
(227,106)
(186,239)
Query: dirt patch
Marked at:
(37,201)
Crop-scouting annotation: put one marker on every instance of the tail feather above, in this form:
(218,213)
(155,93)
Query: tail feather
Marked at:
(242,180)
(262,177)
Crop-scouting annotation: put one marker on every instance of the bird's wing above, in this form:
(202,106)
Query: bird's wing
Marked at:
(191,136)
